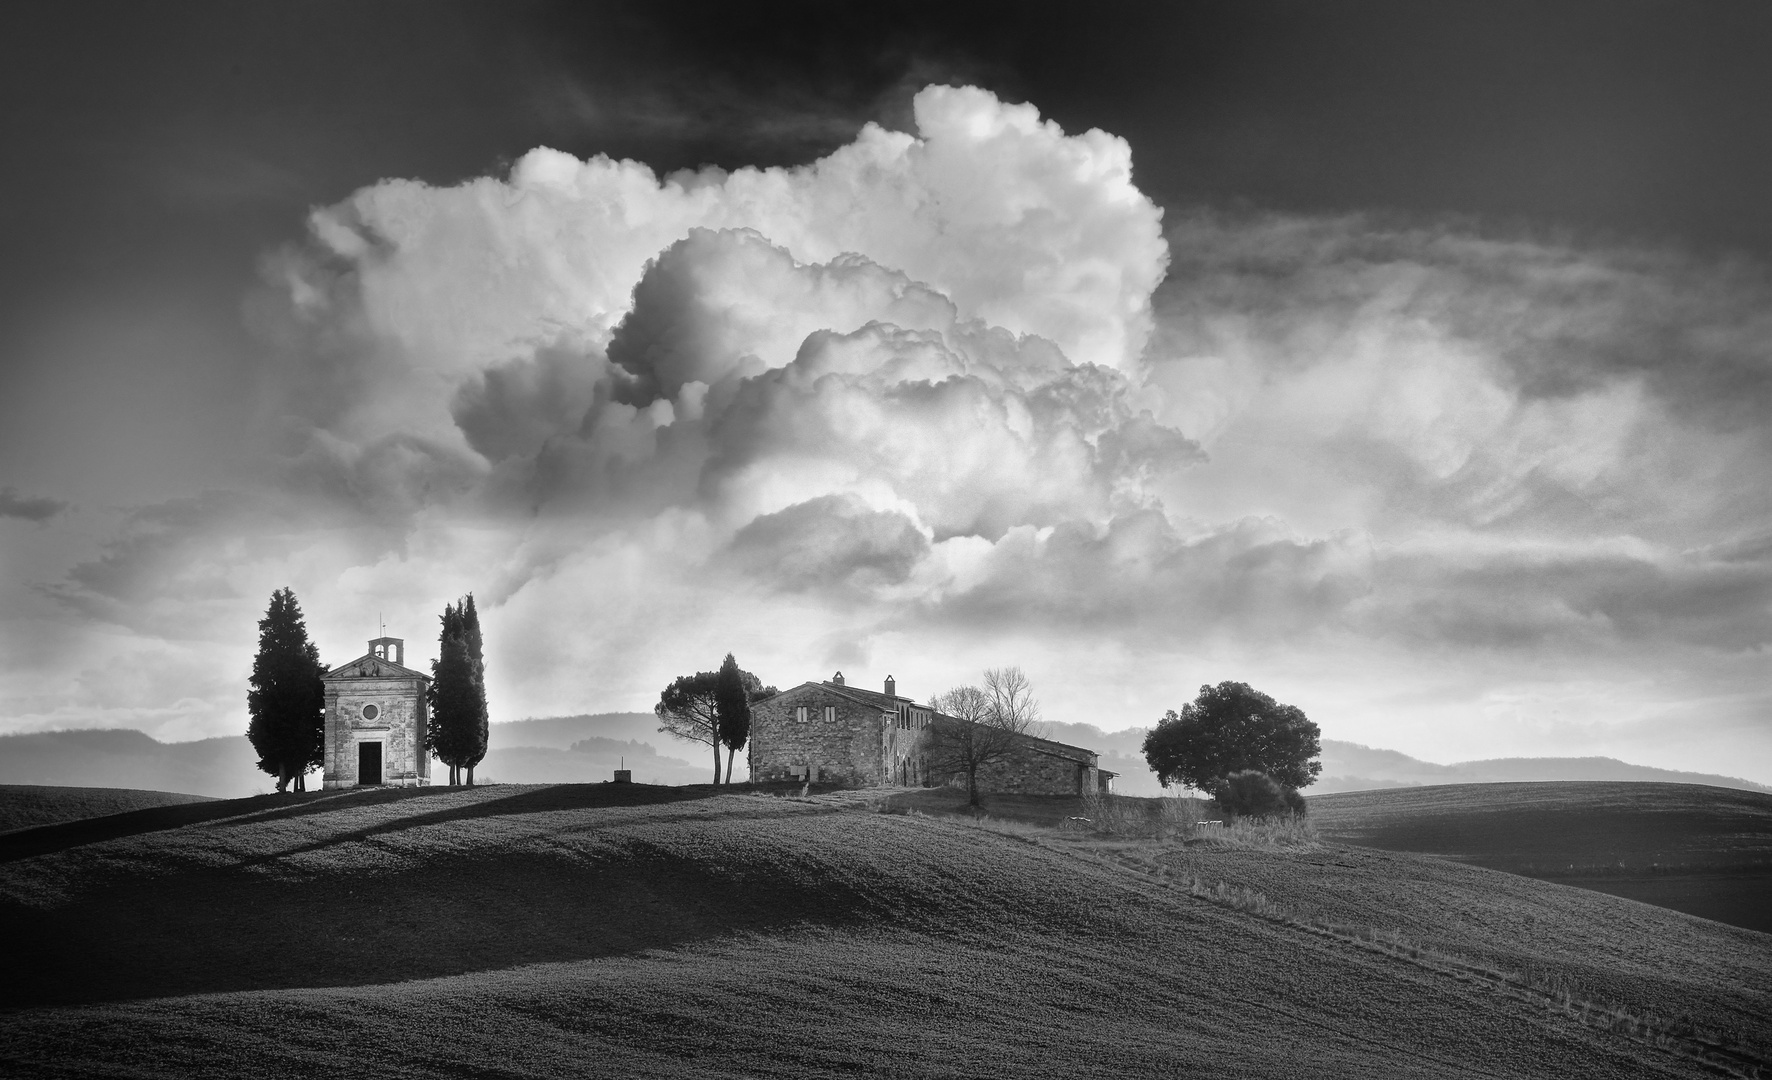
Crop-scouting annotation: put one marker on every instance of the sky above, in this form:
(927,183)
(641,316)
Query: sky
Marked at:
(1411,363)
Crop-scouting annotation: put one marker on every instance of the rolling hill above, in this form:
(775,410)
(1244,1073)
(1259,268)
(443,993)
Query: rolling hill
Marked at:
(1694,848)
(678,932)
(24,806)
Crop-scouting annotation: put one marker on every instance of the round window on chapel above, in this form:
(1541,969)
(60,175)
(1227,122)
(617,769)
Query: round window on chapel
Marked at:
(370,712)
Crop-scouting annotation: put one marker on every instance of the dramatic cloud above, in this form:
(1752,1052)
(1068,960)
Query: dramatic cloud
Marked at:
(14,505)
(922,405)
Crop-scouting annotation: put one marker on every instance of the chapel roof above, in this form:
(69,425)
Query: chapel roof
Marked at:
(389,670)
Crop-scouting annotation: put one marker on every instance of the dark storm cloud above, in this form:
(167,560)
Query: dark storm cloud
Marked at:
(1255,579)
(1507,384)
(1563,318)
(1140,577)
(388,479)
(826,543)
(510,410)
(191,569)
(164,557)
(1571,601)
(37,508)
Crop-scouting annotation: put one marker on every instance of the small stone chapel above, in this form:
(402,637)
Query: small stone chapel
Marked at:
(376,719)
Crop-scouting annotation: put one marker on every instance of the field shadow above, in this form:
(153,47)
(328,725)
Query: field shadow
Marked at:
(218,929)
(44,839)
(551,799)
(47,839)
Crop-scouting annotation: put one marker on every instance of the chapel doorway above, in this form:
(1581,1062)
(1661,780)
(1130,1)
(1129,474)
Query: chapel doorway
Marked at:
(369,763)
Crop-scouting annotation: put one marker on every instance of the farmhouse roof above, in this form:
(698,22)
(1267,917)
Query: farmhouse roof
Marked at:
(853,693)
(1061,746)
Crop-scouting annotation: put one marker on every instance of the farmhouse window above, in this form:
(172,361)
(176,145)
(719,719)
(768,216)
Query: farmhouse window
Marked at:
(830,714)
(800,713)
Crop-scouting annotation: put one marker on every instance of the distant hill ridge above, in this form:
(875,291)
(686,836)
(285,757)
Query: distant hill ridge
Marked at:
(552,750)
(1352,767)
(1349,766)
(588,747)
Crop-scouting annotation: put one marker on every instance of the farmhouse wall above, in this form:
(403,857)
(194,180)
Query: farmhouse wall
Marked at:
(846,750)
(902,755)
(882,739)
(1031,771)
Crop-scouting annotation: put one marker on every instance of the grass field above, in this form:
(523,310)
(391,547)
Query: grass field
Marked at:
(681,932)
(1703,850)
(26,805)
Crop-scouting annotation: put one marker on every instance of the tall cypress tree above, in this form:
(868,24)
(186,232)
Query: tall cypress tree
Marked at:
(732,709)
(454,698)
(479,732)
(287,702)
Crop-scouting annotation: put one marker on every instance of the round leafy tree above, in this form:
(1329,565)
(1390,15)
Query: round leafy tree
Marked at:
(1232,728)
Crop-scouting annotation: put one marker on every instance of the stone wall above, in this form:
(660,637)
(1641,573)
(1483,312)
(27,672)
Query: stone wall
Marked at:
(902,757)
(866,746)
(849,750)
(1032,771)
(399,727)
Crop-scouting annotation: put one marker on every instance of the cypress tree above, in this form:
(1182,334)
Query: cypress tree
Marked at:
(479,732)
(287,701)
(453,695)
(732,709)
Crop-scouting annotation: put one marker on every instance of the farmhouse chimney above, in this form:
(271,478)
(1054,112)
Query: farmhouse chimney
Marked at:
(891,686)
(837,679)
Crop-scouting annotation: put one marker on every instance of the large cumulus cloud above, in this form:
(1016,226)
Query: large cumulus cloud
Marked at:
(922,403)
(1021,225)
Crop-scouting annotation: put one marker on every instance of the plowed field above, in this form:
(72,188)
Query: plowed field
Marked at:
(1703,850)
(596,930)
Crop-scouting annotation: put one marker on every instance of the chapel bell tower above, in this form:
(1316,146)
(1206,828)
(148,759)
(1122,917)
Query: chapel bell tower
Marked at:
(391,649)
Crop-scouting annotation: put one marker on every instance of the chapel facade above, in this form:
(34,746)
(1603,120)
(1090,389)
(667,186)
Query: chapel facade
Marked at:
(376,719)
(833,733)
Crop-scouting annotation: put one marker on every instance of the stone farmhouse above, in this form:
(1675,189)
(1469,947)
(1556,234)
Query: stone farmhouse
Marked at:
(833,733)
(376,719)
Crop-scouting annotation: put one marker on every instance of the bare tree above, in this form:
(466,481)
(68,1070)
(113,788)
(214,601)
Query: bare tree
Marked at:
(978,727)
(1012,698)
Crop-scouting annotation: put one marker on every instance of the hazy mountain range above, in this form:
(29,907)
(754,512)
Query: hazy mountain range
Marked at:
(1351,767)
(557,750)
(589,748)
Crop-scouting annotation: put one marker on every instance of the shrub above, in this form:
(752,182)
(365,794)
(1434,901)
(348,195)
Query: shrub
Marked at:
(1126,817)
(1255,794)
